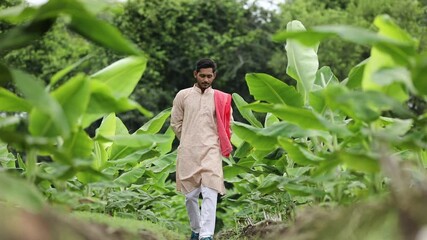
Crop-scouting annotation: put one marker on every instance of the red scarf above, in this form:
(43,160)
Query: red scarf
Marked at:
(223,116)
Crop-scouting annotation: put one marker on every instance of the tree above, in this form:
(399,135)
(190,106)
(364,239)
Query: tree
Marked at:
(174,34)
(177,33)
(4,26)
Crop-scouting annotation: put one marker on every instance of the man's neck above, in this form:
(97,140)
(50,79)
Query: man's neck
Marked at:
(201,89)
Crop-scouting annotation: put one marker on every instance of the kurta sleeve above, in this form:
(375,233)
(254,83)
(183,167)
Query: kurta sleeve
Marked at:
(177,115)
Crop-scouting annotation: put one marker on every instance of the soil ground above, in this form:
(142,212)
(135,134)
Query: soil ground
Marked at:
(368,221)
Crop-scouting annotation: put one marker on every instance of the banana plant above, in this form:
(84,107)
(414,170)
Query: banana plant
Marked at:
(134,167)
(323,138)
(49,121)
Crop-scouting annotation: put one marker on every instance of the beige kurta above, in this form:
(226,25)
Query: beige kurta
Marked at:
(199,157)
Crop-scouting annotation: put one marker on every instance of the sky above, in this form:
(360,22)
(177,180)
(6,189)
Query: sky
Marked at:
(268,4)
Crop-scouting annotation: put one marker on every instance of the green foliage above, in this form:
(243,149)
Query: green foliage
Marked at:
(241,30)
(130,225)
(177,33)
(328,151)
(48,55)
(321,142)
(17,192)
(53,119)
(266,88)
(339,55)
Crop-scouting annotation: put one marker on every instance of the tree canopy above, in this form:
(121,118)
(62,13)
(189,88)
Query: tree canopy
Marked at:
(237,34)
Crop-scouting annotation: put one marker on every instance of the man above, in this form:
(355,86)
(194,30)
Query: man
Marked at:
(201,119)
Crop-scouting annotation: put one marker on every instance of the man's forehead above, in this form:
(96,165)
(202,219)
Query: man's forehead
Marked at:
(206,70)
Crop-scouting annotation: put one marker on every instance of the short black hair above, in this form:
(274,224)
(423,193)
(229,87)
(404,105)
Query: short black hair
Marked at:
(205,63)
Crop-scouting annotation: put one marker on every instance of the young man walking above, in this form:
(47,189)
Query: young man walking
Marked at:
(201,119)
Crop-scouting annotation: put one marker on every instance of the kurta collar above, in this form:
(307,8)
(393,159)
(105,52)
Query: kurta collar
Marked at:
(197,89)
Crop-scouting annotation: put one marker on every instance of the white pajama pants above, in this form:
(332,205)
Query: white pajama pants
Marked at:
(202,222)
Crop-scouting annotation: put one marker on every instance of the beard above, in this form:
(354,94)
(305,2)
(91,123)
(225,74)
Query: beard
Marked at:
(204,85)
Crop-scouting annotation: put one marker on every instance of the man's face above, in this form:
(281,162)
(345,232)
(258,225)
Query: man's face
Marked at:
(204,77)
